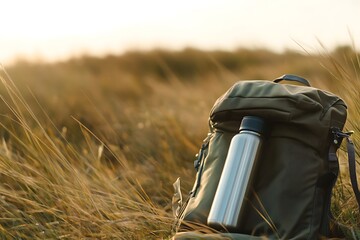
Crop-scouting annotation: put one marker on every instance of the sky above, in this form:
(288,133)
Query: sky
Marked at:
(56,30)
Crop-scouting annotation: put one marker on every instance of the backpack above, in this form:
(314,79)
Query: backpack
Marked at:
(290,196)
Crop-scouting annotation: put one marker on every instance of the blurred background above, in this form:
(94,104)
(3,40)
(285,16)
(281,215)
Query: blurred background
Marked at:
(104,104)
(51,31)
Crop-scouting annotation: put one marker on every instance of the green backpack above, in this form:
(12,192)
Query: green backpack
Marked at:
(290,197)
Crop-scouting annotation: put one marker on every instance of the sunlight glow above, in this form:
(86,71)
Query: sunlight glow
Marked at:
(52,30)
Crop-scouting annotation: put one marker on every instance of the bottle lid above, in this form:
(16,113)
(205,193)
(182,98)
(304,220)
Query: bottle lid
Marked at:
(252,123)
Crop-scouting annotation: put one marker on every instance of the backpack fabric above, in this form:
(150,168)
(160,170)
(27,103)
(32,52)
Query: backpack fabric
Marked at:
(290,196)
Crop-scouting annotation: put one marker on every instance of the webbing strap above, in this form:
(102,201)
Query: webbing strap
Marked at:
(352,169)
(327,182)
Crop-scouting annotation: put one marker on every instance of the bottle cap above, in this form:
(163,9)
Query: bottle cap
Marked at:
(252,123)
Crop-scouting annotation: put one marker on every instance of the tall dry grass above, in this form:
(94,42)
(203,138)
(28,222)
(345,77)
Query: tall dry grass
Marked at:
(90,147)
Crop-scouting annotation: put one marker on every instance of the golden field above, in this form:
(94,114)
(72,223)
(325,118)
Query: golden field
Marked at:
(90,147)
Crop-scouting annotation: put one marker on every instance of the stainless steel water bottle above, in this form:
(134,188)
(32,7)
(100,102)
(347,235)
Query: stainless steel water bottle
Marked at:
(228,203)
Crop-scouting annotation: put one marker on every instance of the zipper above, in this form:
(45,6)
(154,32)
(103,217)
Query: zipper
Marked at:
(337,101)
(199,163)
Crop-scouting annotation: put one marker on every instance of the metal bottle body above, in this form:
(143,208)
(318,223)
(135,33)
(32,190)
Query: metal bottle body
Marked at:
(228,203)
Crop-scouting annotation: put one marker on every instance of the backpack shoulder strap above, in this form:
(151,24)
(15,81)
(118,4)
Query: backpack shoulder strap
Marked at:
(330,227)
(352,162)
(352,169)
